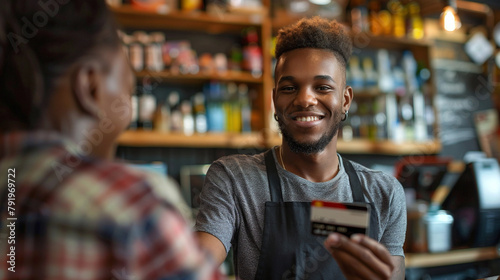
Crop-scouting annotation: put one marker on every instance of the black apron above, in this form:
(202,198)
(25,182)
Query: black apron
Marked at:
(289,250)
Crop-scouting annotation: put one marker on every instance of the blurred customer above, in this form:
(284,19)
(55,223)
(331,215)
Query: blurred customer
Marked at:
(67,211)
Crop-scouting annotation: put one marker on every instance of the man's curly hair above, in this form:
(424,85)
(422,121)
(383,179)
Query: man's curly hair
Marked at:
(317,33)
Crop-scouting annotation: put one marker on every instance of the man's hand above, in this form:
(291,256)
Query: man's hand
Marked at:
(361,257)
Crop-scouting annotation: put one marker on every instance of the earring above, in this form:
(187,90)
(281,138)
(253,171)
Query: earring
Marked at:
(276,117)
(345,115)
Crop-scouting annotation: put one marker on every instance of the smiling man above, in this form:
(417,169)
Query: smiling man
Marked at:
(260,205)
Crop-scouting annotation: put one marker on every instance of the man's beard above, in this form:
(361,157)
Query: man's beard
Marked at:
(309,148)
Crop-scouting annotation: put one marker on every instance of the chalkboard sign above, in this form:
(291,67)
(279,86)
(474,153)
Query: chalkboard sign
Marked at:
(462,90)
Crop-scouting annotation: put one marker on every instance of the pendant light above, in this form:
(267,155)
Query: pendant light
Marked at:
(449,18)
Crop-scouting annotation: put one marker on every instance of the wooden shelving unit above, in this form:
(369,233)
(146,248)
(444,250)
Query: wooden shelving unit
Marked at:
(234,23)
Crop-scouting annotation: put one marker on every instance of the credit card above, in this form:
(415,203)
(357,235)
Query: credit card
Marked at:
(344,218)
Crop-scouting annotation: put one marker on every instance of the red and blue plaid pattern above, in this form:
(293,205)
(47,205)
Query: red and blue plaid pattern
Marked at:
(83,218)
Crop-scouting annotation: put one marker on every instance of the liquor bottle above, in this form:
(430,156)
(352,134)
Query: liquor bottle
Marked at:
(252,54)
(147,106)
(380,118)
(246,109)
(359,16)
(134,120)
(231,108)
(355,74)
(161,121)
(199,110)
(398,12)
(154,56)
(399,81)
(410,70)
(415,22)
(216,116)
(385,79)
(373,17)
(187,118)
(369,74)
(175,112)
(136,50)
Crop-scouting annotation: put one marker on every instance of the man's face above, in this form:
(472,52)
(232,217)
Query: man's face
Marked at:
(309,98)
(118,85)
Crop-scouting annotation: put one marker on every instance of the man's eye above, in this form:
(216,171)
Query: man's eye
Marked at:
(323,88)
(287,88)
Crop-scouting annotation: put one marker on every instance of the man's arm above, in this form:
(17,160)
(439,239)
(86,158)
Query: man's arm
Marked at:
(213,246)
(361,257)
(399,268)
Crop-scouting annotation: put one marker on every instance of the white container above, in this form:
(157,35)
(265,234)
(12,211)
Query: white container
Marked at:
(438,225)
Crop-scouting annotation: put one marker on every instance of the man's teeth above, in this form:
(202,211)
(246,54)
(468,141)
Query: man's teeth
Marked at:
(308,119)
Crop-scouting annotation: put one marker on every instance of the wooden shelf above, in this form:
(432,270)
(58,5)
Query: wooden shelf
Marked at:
(367,40)
(142,138)
(413,260)
(385,147)
(127,16)
(229,76)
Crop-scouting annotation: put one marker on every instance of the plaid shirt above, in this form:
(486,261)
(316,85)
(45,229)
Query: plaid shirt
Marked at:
(75,217)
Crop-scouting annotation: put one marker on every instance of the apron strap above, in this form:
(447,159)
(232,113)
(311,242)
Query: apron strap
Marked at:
(356,189)
(272,177)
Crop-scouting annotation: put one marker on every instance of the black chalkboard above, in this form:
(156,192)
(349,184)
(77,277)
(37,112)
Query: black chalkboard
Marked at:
(462,90)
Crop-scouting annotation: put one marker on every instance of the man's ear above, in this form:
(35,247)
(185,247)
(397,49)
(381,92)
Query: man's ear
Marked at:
(85,87)
(274,98)
(347,98)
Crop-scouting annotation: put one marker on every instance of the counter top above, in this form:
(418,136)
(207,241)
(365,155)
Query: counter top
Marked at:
(413,260)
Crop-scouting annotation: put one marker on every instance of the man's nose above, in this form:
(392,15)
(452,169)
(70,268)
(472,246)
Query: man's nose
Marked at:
(305,98)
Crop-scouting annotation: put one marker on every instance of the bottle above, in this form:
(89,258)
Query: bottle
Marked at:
(162,118)
(373,17)
(200,117)
(216,116)
(407,122)
(380,118)
(347,132)
(419,109)
(147,106)
(236,58)
(355,120)
(136,50)
(245,108)
(410,71)
(175,112)
(398,12)
(187,118)
(385,80)
(134,120)
(415,22)
(232,108)
(385,19)
(252,54)
(399,81)
(359,16)
(191,5)
(369,74)
(220,62)
(154,56)
(355,74)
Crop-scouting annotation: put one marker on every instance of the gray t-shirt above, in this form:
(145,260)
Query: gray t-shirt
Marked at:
(236,189)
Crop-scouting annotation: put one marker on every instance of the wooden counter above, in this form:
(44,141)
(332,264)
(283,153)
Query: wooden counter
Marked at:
(414,260)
